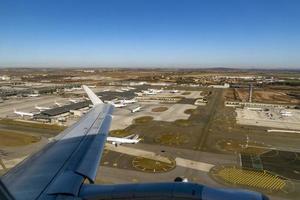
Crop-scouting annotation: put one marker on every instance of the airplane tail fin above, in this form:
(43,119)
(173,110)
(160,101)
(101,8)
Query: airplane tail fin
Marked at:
(136,137)
(56,103)
(133,137)
(93,97)
(129,136)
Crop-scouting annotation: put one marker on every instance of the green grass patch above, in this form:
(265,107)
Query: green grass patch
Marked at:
(13,139)
(183,122)
(119,133)
(143,120)
(31,124)
(171,139)
(159,109)
(153,166)
(186,93)
(189,111)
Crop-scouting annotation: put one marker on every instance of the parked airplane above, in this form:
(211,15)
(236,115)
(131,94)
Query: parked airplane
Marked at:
(73,100)
(156,90)
(125,89)
(148,92)
(68,90)
(33,95)
(137,109)
(58,104)
(67,167)
(129,101)
(41,108)
(174,91)
(130,88)
(22,114)
(116,105)
(286,114)
(118,90)
(72,89)
(152,91)
(131,139)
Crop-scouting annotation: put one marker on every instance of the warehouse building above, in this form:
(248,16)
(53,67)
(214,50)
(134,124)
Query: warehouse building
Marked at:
(59,114)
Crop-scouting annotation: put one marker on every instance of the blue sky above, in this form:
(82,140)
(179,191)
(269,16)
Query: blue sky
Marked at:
(150,33)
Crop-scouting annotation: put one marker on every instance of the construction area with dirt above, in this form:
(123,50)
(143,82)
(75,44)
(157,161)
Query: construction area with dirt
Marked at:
(261,96)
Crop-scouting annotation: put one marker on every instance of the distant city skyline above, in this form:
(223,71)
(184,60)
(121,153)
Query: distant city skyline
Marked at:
(150,33)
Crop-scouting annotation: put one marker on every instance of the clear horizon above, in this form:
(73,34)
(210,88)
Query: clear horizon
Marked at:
(261,34)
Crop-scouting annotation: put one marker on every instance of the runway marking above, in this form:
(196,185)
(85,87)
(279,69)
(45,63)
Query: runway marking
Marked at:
(283,131)
(201,166)
(257,179)
(182,162)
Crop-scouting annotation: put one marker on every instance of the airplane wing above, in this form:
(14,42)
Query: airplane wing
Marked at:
(64,164)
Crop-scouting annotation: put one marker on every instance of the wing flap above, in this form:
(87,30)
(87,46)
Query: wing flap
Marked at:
(59,186)
(91,160)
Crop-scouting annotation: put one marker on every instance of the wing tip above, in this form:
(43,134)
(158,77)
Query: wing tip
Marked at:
(92,96)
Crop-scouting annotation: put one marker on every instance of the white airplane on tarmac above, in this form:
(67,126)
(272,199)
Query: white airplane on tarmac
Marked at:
(58,104)
(156,90)
(129,101)
(41,108)
(33,95)
(131,139)
(137,109)
(116,105)
(125,89)
(152,91)
(77,88)
(73,100)
(22,114)
(147,92)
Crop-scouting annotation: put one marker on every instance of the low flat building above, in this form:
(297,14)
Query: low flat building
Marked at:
(56,114)
(226,85)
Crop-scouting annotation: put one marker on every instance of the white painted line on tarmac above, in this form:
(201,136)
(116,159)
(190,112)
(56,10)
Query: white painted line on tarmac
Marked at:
(283,131)
(201,166)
